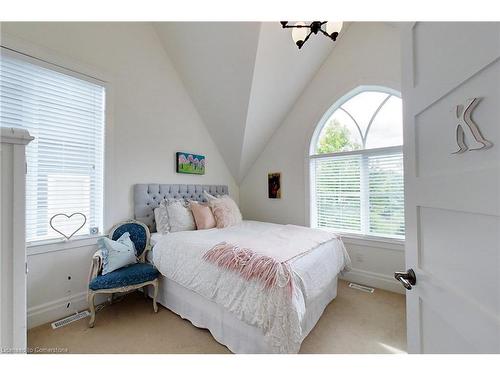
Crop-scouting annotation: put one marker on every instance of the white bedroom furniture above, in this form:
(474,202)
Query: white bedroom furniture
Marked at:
(125,279)
(13,247)
(267,319)
(208,296)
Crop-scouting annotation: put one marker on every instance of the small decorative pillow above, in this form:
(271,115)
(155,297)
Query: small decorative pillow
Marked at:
(116,254)
(209,197)
(203,215)
(161,218)
(225,210)
(180,217)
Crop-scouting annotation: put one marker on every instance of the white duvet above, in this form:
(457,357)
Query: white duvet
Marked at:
(178,256)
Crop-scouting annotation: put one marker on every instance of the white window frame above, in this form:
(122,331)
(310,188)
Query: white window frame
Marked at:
(50,59)
(312,155)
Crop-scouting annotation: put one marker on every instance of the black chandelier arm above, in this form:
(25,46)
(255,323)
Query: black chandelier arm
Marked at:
(296,26)
(328,35)
(325,33)
(286,26)
(305,39)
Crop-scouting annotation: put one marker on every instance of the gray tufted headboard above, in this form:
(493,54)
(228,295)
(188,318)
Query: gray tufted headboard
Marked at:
(148,196)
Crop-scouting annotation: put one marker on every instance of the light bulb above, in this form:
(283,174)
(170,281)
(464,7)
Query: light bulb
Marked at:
(333,27)
(300,33)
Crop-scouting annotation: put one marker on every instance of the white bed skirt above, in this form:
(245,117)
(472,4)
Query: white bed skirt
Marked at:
(238,336)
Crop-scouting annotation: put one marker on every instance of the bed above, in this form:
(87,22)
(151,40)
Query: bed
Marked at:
(240,314)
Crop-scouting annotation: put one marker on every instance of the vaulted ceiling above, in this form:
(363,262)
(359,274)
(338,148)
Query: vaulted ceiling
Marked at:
(243,78)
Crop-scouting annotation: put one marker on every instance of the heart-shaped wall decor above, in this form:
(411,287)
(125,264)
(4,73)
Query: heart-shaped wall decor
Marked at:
(73,223)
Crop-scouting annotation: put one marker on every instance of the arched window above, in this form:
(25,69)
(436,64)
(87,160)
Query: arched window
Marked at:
(356,166)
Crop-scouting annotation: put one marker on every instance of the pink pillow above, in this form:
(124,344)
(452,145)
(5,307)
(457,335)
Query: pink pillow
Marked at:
(203,215)
(225,210)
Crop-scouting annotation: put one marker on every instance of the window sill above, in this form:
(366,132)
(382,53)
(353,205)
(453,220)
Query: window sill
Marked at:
(48,246)
(372,241)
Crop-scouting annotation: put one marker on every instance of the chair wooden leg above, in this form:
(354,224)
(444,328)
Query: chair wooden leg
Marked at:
(155,294)
(92,309)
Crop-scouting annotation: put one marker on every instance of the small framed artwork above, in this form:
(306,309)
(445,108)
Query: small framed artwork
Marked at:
(190,163)
(274,185)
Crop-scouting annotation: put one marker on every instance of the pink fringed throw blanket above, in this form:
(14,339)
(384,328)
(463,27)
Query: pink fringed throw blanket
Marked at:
(267,258)
(251,265)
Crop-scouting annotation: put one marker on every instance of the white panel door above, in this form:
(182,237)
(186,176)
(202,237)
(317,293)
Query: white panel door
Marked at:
(452,199)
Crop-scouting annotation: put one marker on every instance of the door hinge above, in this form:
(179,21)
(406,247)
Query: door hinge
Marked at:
(26,267)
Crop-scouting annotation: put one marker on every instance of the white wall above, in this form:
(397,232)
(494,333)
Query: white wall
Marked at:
(367,54)
(150,117)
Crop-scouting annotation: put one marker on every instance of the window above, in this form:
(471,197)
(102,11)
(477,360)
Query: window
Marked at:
(64,111)
(356,164)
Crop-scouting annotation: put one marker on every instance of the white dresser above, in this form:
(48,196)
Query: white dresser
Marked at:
(12,241)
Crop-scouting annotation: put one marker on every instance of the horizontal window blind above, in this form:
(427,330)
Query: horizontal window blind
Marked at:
(338,192)
(361,193)
(386,195)
(65,114)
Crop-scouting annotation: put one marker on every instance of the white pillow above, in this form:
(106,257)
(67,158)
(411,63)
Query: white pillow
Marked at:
(161,218)
(174,215)
(180,217)
(209,197)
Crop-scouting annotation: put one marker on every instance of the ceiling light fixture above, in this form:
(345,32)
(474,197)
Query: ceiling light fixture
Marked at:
(302,31)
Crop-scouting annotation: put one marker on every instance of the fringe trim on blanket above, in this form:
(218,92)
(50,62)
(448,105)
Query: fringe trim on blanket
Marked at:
(251,266)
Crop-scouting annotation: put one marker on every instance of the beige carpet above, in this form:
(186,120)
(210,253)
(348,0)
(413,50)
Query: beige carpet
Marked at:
(355,322)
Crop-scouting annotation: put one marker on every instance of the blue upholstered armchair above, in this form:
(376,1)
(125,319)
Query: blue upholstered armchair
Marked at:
(134,276)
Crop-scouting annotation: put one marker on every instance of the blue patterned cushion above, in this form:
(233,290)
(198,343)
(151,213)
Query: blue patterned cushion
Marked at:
(131,275)
(138,235)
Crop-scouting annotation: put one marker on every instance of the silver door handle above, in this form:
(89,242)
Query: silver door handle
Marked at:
(407,278)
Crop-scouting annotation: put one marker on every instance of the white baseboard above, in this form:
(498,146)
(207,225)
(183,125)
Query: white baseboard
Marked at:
(375,280)
(54,310)
(57,309)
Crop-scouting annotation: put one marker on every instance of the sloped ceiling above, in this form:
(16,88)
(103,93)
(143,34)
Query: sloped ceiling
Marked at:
(243,78)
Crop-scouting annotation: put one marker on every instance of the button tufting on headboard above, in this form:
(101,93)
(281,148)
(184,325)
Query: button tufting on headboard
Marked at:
(145,197)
